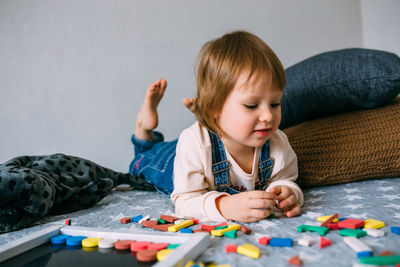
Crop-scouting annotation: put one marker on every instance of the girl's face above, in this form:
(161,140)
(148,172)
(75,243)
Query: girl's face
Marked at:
(251,113)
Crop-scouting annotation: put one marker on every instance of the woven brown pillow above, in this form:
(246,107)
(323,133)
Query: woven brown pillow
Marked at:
(348,147)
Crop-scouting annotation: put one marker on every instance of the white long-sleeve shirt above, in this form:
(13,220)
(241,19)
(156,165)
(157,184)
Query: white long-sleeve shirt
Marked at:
(194,188)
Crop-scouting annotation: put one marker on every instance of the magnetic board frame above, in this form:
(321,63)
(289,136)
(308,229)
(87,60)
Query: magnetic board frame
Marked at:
(192,245)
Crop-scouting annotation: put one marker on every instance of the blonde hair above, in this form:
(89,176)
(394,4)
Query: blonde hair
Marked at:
(220,63)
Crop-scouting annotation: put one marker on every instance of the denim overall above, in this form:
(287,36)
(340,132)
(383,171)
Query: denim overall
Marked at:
(154,161)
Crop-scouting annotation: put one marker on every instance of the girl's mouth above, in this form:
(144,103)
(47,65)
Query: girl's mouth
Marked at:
(262,132)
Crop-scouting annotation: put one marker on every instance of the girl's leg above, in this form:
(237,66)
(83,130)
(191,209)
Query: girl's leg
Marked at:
(147,118)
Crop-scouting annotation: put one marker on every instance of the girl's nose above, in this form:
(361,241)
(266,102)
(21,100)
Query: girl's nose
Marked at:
(266,115)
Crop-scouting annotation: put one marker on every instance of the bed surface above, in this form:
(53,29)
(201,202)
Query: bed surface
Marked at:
(377,199)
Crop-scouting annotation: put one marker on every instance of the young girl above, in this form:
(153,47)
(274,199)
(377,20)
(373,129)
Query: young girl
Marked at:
(233,163)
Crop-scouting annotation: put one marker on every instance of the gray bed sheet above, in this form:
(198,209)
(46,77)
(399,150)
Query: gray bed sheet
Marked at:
(377,199)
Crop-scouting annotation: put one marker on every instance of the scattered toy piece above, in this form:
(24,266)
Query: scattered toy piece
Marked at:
(358,246)
(374,232)
(329,220)
(395,229)
(161,221)
(264,240)
(324,218)
(186,230)
(220,227)
(375,224)
(295,260)
(311,228)
(245,230)
(75,241)
(334,226)
(145,218)
(195,221)
(67,222)
(137,218)
(177,227)
(352,232)
(147,255)
(222,231)
(162,227)
(149,223)
(386,253)
(306,241)
(381,260)
(281,242)
(125,220)
(169,218)
(249,250)
(230,248)
(323,242)
(230,234)
(351,223)
(201,230)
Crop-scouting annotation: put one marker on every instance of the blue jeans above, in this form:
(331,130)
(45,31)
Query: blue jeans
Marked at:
(154,161)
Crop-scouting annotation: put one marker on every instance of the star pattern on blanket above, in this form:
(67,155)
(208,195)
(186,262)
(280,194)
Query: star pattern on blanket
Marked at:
(385,188)
(352,197)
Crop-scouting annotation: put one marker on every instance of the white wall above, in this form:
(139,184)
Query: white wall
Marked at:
(73,73)
(381,24)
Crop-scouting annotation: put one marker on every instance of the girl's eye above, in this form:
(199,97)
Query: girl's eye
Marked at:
(251,106)
(274,105)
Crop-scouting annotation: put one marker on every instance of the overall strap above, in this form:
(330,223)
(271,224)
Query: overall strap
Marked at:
(265,165)
(220,164)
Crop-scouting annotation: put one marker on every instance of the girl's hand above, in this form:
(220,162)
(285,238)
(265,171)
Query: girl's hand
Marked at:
(286,200)
(249,206)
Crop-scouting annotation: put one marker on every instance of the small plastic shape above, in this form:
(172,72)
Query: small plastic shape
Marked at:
(352,232)
(186,230)
(195,221)
(386,253)
(311,228)
(281,242)
(249,250)
(145,218)
(177,227)
(324,218)
(381,260)
(222,231)
(161,221)
(137,218)
(306,241)
(123,244)
(139,245)
(158,246)
(162,254)
(334,226)
(90,242)
(149,223)
(59,239)
(147,255)
(173,246)
(245,230)
(125,220)
(162,227)
(329,220)
(375,224)
(74,241)
(264,240)
(374,232)
(220,227)
(68,222)
(323,242)
(107,243)
(295,261)
(230,234)
(358,246)
(169,218)
(395,229)
(351,223)
(230,248)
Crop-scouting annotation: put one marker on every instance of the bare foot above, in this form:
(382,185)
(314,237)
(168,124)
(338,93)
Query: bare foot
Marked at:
(189,103)
(147,119)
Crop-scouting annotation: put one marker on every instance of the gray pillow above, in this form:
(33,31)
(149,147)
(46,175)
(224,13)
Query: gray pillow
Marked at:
(339,81)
